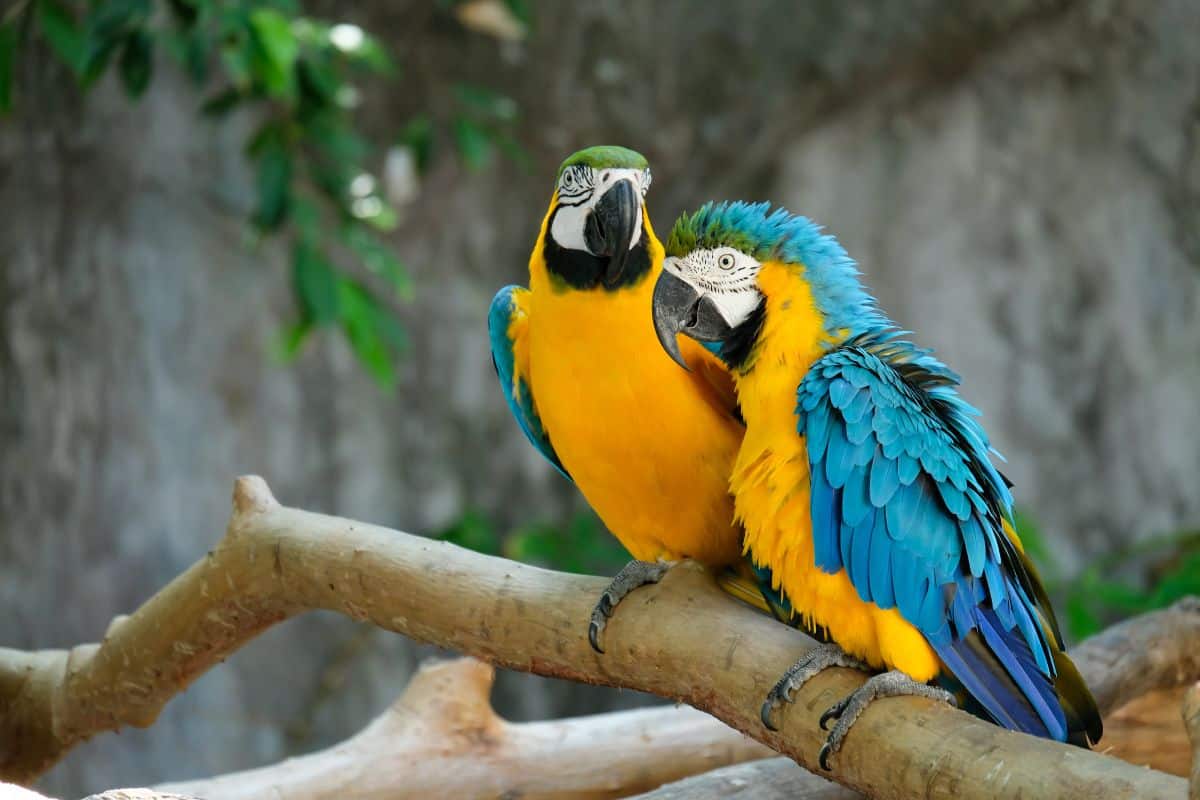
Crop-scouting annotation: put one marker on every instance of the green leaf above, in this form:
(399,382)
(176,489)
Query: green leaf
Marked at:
(1080,620)
(274,182)
(316,284)
(237,56)
(106,28)
(112,19)
(277,51)
(192,50)
(474,532)
(474,143)
(8,55)
(486,102)
(378,258)
(61,30)
(137,63)
(521,10)
(417,135)
(221,103)
(360,313)
(292,340)
(185,13)
(318,83)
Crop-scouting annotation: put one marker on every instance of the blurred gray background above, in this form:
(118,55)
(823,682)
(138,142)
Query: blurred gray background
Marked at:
(1020,181)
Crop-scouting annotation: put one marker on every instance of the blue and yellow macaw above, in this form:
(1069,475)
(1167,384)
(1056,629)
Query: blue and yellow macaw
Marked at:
(649,445)
(872,510)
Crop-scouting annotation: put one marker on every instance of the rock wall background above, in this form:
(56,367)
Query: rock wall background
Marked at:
(1020,181)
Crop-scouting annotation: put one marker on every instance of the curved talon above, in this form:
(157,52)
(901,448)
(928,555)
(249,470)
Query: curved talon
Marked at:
(594,636)
(631,576)
(831,713)
(765,715)
(823,756)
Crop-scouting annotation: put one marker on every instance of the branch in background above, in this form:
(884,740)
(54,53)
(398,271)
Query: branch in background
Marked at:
(441,738)
(768,779)
(1132,658)
(682,639)
(1191,720)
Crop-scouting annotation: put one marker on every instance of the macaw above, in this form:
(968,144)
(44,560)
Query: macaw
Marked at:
(871,507)
(649,445)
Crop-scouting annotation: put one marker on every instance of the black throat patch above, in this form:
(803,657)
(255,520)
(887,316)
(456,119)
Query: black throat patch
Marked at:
(582,270)
(736,348)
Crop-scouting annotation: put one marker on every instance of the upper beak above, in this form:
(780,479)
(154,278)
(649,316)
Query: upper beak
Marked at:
(611,225)
(680,308)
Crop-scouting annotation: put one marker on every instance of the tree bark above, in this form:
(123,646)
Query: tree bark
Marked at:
(441,738)
(1191,720)
(768,779)
(682,639)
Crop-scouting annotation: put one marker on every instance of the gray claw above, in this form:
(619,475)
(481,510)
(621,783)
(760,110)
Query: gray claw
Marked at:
(632,575)
(847,710)
(819,658)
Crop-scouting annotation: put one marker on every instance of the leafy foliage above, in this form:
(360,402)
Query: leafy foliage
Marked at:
(1141,577)
(582,545)
(298,74)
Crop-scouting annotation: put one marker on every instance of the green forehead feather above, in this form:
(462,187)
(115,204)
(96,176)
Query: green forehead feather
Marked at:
(605,156)
(736,225)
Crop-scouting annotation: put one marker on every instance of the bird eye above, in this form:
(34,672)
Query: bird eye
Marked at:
(568,179)
(726,261)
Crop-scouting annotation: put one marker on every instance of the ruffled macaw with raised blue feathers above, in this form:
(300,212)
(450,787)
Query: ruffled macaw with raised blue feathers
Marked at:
(649,445)
(872,510)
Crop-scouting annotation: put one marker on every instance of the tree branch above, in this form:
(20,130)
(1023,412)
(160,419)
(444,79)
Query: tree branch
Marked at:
(441,738)
(771,779)
(1191,721)
(682,639)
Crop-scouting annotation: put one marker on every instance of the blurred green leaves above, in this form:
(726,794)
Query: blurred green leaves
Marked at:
(1141,577)
(582,545)
(298,75)
(8,52)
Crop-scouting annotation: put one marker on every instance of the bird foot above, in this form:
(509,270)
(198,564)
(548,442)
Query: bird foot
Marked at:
(632,575)
(847,710)
(821,657)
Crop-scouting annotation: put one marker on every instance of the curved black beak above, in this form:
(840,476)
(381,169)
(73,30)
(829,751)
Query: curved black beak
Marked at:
(680,308)
(610,227)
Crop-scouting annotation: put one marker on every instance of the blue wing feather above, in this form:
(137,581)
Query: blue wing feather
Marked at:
(516,392)
(906,500)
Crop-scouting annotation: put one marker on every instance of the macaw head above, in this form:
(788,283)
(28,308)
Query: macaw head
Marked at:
(597,233)
(727,261)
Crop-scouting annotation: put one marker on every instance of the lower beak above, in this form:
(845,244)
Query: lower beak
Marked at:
(675,302)
(680,308)
(611,226)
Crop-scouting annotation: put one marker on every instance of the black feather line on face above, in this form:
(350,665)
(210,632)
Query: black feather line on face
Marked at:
(580,269)
(735,350)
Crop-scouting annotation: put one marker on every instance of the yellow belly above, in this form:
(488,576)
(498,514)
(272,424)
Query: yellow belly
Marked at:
(772,502)
(647,443)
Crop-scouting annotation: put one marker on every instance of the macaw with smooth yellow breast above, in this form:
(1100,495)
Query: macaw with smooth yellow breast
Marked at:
(649,445)
(870,504)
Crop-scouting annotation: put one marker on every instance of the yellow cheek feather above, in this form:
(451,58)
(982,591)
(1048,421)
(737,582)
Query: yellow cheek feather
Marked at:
(771,486)
(649,444)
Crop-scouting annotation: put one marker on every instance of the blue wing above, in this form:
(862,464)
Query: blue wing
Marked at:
(906,500)
(506,309)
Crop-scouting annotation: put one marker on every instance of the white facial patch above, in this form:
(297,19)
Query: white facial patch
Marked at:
(724,275)
(579,190)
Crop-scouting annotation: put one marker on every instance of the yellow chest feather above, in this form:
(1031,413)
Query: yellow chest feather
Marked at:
(650,445)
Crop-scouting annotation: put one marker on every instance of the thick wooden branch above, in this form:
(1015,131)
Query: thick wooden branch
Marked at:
(682,639)
(1191,721)
(441,738)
